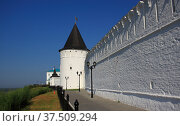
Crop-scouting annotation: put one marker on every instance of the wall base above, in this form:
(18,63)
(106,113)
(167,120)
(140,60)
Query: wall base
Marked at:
(144,101)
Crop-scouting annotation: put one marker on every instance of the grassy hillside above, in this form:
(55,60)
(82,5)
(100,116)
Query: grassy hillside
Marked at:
(17,99)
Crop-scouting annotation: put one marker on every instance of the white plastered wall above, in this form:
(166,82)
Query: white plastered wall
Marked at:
(72,61)
(48,75)
(142,70)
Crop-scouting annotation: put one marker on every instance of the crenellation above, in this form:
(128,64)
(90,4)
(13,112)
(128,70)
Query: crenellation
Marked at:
(139,20)
(124,37)
(142,9)
(149,3)
(145,7)
(122,23)
(139,23)
(173,6)
(164,11)
(177,6)
(129,16)
(156,10)
(131,30)
(151,19)
(138,11)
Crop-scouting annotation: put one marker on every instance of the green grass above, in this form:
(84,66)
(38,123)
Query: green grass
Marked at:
(17,99)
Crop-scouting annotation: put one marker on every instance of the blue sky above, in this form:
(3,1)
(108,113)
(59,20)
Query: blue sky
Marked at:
(32,32)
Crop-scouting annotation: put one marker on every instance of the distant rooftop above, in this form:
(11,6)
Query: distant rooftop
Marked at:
(54,74)
(57,70)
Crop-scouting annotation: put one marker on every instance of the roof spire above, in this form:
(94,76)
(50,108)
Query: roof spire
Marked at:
(76,19)
(54,70)
(54,73)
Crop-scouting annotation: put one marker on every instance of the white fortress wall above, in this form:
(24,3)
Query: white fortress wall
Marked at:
(72,60)
(138,60)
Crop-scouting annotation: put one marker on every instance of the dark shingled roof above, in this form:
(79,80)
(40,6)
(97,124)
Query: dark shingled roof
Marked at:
(54,74)
(74,40)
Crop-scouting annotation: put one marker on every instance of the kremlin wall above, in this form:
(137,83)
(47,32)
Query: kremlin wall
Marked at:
(138,60)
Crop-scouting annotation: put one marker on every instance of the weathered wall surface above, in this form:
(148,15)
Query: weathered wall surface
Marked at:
(138,61)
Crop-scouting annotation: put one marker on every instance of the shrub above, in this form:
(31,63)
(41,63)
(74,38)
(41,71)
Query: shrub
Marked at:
(39,90)
(17,99)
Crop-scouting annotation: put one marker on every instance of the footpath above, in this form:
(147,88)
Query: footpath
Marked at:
(86,103)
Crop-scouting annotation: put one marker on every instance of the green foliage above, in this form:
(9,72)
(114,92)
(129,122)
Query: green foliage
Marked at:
(38,85)
(39,90)
(3,101)
(17,99)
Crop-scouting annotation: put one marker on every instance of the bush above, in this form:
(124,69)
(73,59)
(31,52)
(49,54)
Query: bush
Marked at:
(14,100)
(39,90)
(17,99)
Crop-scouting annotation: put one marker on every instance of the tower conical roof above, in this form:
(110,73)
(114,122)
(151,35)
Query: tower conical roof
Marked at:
(74,40)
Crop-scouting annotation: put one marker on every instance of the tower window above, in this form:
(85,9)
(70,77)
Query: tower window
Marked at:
(70,68)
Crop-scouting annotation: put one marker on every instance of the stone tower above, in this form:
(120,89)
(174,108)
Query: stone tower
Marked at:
(72,60)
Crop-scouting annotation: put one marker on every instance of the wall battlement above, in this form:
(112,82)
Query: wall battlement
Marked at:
(145,18)
(138,60)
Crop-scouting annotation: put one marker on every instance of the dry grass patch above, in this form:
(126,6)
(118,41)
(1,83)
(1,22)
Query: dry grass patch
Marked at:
(45,102)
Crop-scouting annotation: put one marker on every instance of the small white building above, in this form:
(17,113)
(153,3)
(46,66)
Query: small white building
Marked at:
(72,61)
(55,79)
(49,74)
